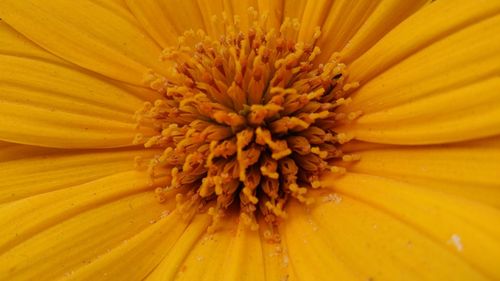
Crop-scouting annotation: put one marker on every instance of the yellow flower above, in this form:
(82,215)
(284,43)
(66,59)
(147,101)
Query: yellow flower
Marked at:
(286,140)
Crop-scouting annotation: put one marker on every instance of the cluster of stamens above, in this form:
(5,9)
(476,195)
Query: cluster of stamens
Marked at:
(247,121)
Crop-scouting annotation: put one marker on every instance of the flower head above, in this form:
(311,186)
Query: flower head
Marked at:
(255,140)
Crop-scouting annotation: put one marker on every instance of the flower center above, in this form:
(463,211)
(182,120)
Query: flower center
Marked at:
(247,121)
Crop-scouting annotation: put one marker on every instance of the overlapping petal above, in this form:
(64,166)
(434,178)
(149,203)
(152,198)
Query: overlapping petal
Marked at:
(443,93)
(435,22)
(373,244)
(167,20)
(385,16)
(55,105)
(46,101)
(467,169)
(460,226)
(91,35)
(41,170)
(59,251)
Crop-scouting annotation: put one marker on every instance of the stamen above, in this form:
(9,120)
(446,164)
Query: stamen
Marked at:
(247,121)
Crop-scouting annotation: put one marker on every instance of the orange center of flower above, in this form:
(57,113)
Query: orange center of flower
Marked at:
(247,121)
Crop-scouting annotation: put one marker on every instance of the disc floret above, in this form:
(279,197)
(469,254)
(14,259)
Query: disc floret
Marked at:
(247,121)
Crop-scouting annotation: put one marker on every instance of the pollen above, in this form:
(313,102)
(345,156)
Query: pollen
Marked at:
(246,121)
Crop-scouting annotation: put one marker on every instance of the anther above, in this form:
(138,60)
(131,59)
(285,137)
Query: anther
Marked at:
(247,118)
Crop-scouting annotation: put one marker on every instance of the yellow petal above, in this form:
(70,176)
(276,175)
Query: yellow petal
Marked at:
(443,65)
(49,170)
(313,17)
(276,259)
(54,105)
(166,20)
(60,129)
(456,74)
(233,252)
(469,170)
(118,7)
(13,151)
(309,254)
(173,261)
(79,240)
(465,242)
(384,17)
(26,217)
(91,36)
(74,91)
(146,94)
(243,260)
(344,18)
(204,261)
(436,21)
(13,43)
(456,115)
(136,257)
(377,246)
(294,9)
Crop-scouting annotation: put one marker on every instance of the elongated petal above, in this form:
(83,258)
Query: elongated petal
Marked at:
(386,15)
(425,27)
(35,79)
(275,256)
(205,260)
(468,170)
(245,246)
(13,151)
(455,115)
(54,105)
(308,252)
(174,259)
(462,57)
(447,91)
(167,20)
(26,217)
(119,7)
(61,250)
(460,229)
(12,43)
(344,18)
(62,87)
(91,35)
(233,252)
(375,245)
(144,251)
(57,169)
(315,13)
(294,8)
